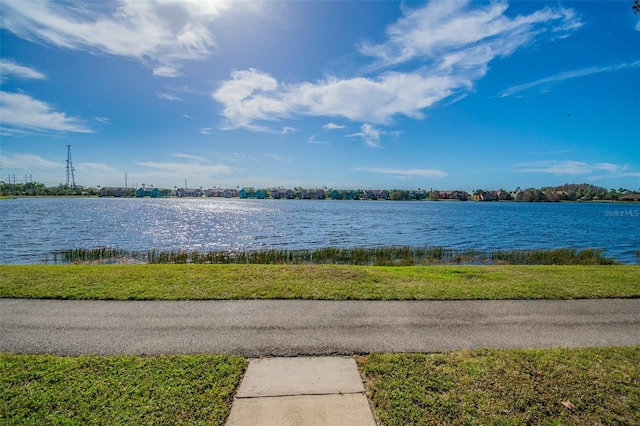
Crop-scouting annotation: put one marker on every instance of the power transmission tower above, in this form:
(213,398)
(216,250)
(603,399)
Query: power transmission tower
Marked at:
(71,180)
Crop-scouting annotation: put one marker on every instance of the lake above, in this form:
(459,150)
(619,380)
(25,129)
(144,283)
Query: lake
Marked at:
(33,228)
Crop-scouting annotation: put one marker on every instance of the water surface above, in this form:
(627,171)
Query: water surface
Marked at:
(33,228)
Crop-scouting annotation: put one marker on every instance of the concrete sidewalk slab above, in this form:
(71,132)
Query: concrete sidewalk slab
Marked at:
(300,376)
(319,391)
(317,410)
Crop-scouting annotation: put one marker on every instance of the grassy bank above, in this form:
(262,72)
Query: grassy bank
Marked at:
(328,282)
(509,387)
(45,389)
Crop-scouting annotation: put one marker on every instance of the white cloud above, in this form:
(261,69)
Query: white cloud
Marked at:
(333,126)
(287,130)
(160,34)
(252,96)
(312,140)
(567,167)
(245,99)
(95,168)
(206,130)
(567,75)
(450,33)
(443,47)
(11,68)
(370,135)
(189,156)
(20,112)
(188,170)
(167,71)
(425,173)
(103,120)
(29,162)
(168,97)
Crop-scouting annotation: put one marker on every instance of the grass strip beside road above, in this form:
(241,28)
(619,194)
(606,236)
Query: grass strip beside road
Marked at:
(47,389)
(506,387)
(319,282)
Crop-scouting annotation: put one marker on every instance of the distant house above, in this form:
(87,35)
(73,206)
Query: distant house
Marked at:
(112,192)
(279,193)
(313,194)
(247,193)
(420,194)
(148,192)
(504,195)
(444,195)
(221,193)
(376,194)
(453,195)
(630,197)
(261,194)
(344,195)
(188,192)
(485,196)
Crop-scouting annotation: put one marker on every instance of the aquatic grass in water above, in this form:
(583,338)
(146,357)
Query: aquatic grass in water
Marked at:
(97,255)
(376,256)
(552,257)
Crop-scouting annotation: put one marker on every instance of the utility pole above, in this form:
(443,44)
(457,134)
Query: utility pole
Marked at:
(12,184)
(71,180)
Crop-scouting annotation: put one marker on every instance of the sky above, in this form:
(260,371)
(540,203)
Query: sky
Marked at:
(448,95)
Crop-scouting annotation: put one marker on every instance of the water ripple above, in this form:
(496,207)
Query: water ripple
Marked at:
(33,228)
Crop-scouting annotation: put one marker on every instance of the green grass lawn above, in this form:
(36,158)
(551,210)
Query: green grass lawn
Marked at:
(499,387)
(506,387)
(328,282)
(46,389)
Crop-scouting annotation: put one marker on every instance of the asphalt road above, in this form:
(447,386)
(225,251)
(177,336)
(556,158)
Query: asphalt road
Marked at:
(255,328)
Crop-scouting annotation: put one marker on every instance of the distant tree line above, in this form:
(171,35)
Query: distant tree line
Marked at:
(40,189)
(566,192)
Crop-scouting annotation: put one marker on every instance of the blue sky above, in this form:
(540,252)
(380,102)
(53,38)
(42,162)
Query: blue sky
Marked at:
(440,94)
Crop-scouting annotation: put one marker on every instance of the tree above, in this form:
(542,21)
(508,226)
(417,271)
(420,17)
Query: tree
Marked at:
(399,195)
(636,6)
